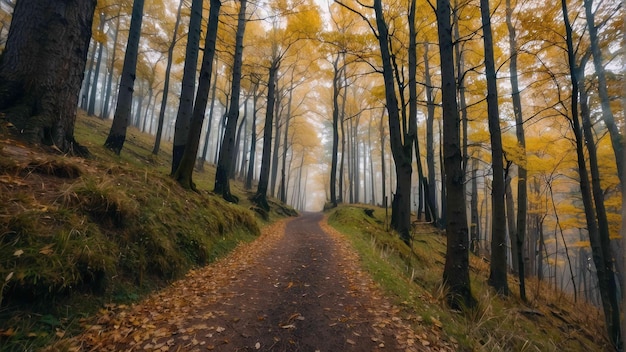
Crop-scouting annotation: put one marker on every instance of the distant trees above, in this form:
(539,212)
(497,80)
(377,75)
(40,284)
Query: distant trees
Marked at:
(41,69)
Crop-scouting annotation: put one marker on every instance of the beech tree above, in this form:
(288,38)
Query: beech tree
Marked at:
(184,171)
(41,69)
(117,134)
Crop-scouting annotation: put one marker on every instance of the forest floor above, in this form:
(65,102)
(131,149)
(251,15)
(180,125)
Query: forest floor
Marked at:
(299,287)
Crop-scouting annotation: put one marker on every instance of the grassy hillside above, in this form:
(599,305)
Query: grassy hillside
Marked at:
(550,321)
(78,233)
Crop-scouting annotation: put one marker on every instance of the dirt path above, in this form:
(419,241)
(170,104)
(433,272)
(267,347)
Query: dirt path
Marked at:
(297,288)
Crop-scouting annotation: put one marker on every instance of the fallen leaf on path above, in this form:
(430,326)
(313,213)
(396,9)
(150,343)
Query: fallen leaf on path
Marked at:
(288,326)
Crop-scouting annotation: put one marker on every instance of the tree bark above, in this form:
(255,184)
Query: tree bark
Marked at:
(335,147)
(105,107)
(227,156)
(251,164)
(600,246)
(185,106)
(522,174)
(188,160)
(91,108)
(498,266)
(42,68)
(456,268)
(260,198)
(117,134)
(166,83)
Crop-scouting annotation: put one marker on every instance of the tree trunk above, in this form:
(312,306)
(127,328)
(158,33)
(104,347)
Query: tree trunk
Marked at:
(474,218)
(91,109)
(599,245)
(166,83)
(117,134)
(607,114)
(207,136)
(188,160)
(335,150)
(250,175)
(185,106)
(227,156)
(105,107)
(456,268)
(402,153)
(430,145)
(522,193)
(260,198)
(497,275)
(42,68)
(601,216)
(510,220)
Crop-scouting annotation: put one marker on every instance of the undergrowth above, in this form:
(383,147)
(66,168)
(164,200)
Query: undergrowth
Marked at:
(76,234)
(550,321)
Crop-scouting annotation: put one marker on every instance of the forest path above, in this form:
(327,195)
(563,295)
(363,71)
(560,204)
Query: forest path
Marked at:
(298,287)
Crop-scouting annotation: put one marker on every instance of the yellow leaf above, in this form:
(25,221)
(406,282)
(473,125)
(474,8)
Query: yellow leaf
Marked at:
(47,250)
(18,252)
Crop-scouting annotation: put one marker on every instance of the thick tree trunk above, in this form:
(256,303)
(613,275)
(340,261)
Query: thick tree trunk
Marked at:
(456,269)
(498,266)
(227,156)
(166,83)
(185,106)
(42,68)
(188,160)
(117,134)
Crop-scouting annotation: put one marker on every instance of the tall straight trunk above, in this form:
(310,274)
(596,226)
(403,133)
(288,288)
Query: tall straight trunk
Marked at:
(498,267)
(460,71)
(510,220)
(86,86)
(372,175)
(227,156)
(522,193)
(188,89)
(240,129)
(276,147)
(342,118)
(430,145)
(260,198)
(147,118)
(456,268)
(105,107)
(601,216)
(283,180)
(382,159)
(244,148)
(599,244)
(166,83)
(42,67)
(251,163)
(91,108)
(207,136)
(117,134)
(474,218)
(335,146)
(402,152)
(443,218)
(188,160)
(607,114)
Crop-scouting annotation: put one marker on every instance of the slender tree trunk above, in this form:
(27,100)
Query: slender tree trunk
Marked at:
(430,145)
(335,150)
(117,134)
(599,244)
(601,216)
(607,114)
(382,159)
(106,106)
(185,106)
(456,268)
(498,275)
(402,153)
(166,83)
(251,164)
(227,156)
(42,67)
(474,218)
(207,136)
(91,108)
(84,91)
(522,193)
(510,220)
(276,147)
(260,198)
(185,168)
(244,148)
